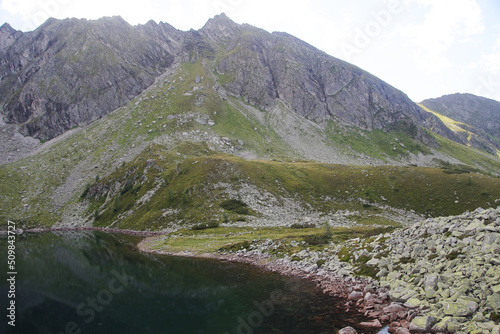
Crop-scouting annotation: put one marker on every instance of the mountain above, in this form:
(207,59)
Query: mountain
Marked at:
(75,71)
(150,127)
(70,72)
(8,36)
(475,119)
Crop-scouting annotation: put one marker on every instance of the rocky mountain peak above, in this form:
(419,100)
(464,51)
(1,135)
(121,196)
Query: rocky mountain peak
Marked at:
(8,36)
(480,112)
(220,28)
(6,28)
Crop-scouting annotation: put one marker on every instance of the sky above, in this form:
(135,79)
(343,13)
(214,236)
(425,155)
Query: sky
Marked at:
(426,48)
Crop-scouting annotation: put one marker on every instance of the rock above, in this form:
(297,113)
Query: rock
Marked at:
(461,308)
(355,295)
(493,301)
(383,272)
(369,296)
(311,268)
(394,308)
(422,324)
(372,324)
(347,330)
(430,285)
(373,262)
(447,324)
(402,330)
(413,303)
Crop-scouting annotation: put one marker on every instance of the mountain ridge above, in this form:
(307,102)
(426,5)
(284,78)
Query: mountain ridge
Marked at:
(476,119)
(53,115)
(257,95)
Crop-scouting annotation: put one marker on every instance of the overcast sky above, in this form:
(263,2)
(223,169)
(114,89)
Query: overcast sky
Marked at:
(426,48)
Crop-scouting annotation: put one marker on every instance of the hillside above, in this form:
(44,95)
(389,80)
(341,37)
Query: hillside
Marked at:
(77,71)
(260,108)
(474,119)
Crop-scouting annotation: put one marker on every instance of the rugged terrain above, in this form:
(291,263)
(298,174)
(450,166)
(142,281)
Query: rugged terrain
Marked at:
(218,135)
(226,89)
(441,275)
(474,119)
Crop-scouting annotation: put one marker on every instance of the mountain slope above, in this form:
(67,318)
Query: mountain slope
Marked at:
(8,36)
(237,91)
(78,70)
(264,67)
(474,119)
(70,72)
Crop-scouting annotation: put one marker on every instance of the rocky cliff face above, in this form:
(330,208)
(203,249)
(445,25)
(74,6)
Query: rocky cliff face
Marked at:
(71,72)
(473,110)
(8,36)
(479,117)
(264,67)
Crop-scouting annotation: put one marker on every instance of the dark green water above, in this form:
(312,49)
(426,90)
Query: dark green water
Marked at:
(92,282)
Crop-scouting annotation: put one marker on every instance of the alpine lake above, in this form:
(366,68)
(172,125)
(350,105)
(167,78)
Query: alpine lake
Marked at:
(96,282)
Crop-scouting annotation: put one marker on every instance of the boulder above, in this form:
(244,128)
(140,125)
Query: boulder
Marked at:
(402,330)
(493,302)
(413,303)
(355,295)
(422,324)
(430,285)
(372,324)
(447,324)
(394,308)
(373,262)
(347,330)
(461,308)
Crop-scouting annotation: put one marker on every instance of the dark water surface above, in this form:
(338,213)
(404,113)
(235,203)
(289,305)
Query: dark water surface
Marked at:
(93,282)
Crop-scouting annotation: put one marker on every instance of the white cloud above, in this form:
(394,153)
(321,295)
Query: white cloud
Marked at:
(446,23)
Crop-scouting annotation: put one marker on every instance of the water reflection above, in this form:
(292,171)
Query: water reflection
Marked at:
(93,282)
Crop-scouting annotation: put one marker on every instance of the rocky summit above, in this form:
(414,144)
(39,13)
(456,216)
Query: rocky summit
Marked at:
(475,120)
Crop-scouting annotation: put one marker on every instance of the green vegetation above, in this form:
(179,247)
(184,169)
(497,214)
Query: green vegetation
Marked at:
(453,255)
(236,206)
(378,144)
(178,184)
(185,191)
(227,239)
(468,155)
(205,226)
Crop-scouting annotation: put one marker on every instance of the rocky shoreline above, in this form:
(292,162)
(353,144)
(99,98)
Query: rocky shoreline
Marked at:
(360,294)
(441,275)
(73,229)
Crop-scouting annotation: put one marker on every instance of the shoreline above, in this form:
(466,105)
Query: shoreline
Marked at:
(80,229)
(360,294)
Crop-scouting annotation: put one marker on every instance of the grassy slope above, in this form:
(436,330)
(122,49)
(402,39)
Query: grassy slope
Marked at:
(235,238)
(101,147)
(461,153)
(43,188)
(188,190)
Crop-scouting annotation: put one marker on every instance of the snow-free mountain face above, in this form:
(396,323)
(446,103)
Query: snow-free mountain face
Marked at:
(68,73)
(143,114)
(474,118)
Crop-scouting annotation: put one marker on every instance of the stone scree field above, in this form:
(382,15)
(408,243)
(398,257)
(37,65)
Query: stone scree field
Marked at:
(443,272)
